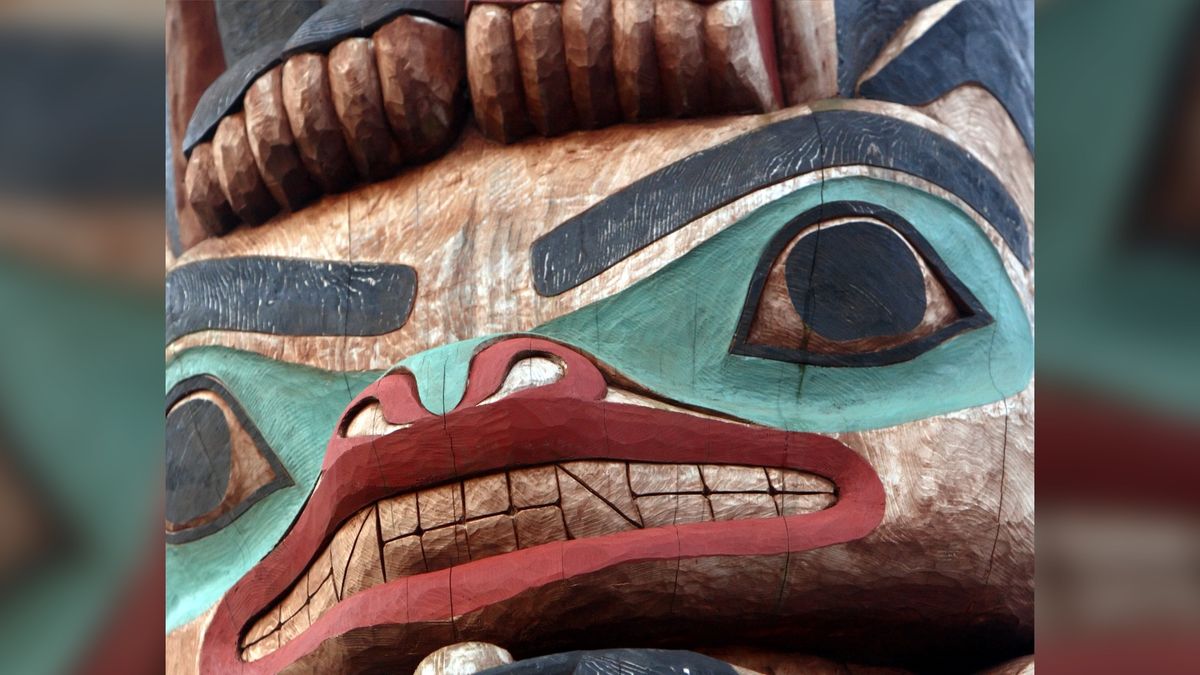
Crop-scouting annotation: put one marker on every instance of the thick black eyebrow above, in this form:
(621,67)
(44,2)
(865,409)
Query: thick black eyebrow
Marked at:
(285,296)
(651,208)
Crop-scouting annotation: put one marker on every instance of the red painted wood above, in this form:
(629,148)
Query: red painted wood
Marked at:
(567,420)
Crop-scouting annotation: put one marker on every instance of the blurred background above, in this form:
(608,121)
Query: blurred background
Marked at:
(82,239)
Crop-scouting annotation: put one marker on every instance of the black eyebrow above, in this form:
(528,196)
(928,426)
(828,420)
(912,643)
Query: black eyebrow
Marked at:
(653,207)
(285,296)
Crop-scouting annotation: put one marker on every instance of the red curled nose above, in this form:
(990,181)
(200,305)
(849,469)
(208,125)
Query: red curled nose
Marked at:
(526,367)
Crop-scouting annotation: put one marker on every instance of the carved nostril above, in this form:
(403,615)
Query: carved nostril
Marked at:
(529,372)
(367,420)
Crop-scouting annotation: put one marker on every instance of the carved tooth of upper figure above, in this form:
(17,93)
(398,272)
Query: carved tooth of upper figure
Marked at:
(696,326)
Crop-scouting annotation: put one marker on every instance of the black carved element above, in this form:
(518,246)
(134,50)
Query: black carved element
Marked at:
(863,28)
(854,281)
(971,312)
(199,459)
(666,200)
(284,296)
(224,95)
(989,42)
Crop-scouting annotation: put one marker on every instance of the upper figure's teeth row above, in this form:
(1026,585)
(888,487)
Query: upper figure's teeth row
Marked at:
(490,515)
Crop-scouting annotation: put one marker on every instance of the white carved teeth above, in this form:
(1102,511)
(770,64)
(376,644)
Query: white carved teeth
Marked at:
(498,513)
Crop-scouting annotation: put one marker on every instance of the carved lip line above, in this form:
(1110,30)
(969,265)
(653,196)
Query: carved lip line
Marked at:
(530,428)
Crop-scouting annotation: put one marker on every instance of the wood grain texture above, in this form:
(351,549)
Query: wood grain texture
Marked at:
(422,71)
(236,169)
(205,195)
(494,74)
(807,47)
(863,28)
(314,122)
(740,78)
(634,61)
(679,45)
(358,101)
(273,145)
(194,60)
(659,206)
(463,657)
(587,41)
(537,28)
(397,221)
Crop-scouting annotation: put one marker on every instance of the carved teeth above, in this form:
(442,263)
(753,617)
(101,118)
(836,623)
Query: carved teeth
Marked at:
(499,513)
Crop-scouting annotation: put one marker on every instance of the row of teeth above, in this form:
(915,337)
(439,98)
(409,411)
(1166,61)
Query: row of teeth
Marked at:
(498,513)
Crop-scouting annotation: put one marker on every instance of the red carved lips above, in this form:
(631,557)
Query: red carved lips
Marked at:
(526,597)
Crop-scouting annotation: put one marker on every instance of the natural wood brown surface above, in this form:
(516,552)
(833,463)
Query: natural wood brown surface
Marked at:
(273,145)
(740,80)
(238,173)
(806,34)
(495,77)
(587,39)
(634,59)
(354,84)
(194,60)
(205,195)
(314,122)
(679,43)
(538,31)
(422,73)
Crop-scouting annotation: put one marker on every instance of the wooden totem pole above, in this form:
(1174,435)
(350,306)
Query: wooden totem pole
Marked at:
(665,335)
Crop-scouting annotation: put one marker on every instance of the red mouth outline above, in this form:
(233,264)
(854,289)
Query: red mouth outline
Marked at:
(564,421)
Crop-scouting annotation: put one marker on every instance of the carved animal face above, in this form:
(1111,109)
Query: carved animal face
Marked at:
(760,379)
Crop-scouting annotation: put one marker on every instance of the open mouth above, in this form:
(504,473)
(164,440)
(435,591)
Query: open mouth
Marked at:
(499,513)
(411,536)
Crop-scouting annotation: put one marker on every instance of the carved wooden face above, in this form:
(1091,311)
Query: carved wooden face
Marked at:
(755,379)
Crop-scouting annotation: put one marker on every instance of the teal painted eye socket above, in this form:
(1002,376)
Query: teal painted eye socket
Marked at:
(676,332)
(852,284)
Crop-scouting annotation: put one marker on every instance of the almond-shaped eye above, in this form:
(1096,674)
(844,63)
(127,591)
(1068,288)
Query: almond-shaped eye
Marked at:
(218,464)
(852,284)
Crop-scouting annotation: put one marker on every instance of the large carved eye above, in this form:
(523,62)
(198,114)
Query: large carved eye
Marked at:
(852,284)
(218,465)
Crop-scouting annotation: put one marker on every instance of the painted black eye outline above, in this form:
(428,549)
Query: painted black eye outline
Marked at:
(971,313)
(191,421)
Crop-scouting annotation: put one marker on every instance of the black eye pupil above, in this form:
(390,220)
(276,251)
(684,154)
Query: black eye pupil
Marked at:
(857,280)
(198,460)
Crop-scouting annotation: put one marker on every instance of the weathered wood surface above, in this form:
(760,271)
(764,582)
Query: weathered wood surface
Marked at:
(986,42)
(403,225)
(422,71)
(358,101)
(273,145)
(308,99)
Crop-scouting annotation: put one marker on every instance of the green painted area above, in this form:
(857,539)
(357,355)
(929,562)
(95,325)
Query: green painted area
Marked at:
(295,408)
(441,373)
(671,332)
(80,424)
